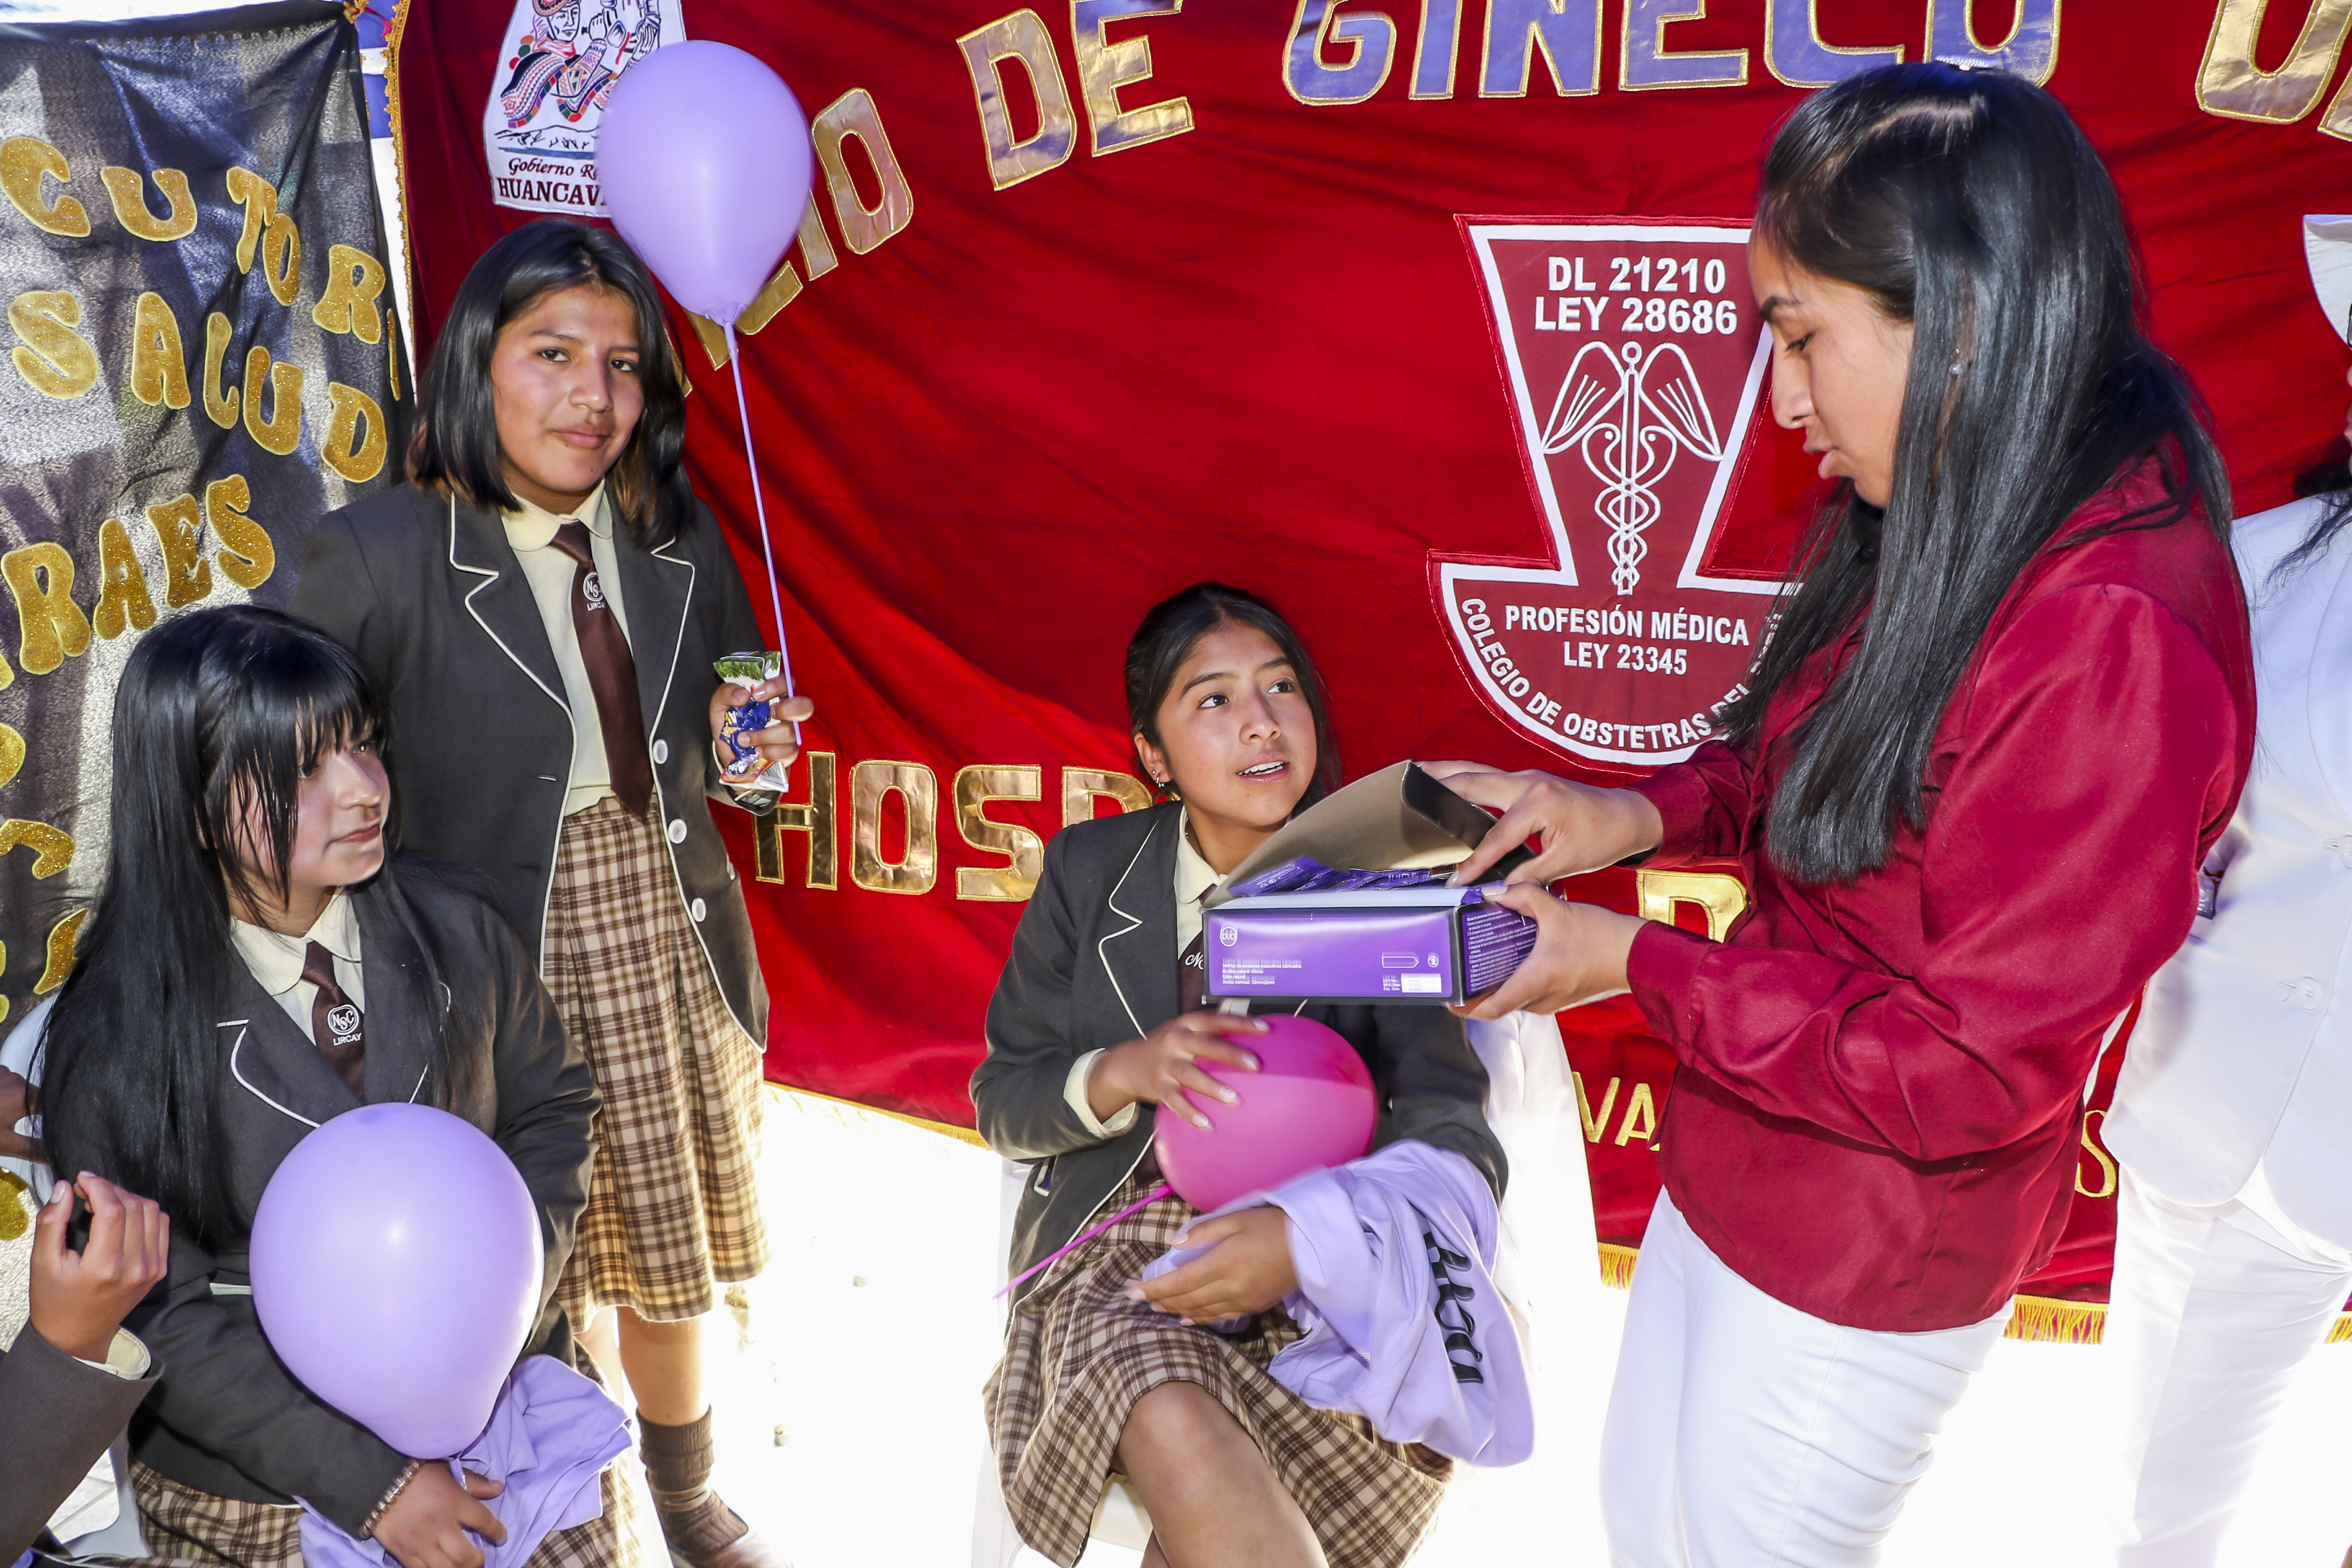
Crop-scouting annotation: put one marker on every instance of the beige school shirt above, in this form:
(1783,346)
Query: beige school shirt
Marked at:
(276,961)
(531,529)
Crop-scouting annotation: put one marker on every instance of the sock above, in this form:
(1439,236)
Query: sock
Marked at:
(694,1518)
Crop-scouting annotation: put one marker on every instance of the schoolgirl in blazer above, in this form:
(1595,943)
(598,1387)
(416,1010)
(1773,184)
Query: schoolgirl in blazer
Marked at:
(542,606)
(172,1059)
(1095,1031)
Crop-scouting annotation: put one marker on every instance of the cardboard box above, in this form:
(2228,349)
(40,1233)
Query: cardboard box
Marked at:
(1348,903)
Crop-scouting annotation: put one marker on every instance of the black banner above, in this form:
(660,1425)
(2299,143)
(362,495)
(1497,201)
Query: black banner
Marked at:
(203,358)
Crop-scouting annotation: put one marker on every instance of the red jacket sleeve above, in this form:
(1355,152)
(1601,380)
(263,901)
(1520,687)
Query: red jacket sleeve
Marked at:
(2057,872)
(1704,803)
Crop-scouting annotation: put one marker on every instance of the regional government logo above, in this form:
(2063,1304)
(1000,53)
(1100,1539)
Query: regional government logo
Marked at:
(1637,372)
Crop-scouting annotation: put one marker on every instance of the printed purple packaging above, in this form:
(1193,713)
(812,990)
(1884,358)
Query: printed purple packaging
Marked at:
(1404,944)
(1348,903)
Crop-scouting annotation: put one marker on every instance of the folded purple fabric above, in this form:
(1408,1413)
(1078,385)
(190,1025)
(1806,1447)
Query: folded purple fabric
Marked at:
(1395,1254)
(550,1434)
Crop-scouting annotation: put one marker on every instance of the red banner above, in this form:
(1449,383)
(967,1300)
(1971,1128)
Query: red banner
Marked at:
(1429,322)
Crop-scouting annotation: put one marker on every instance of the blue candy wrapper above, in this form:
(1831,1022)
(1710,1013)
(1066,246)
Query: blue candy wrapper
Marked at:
(745,669)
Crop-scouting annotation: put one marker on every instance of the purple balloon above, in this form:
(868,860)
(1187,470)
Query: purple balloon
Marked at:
(1309,1107)
(704,157)
(396,1266)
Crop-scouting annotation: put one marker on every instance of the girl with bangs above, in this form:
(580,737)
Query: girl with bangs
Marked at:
(260,958)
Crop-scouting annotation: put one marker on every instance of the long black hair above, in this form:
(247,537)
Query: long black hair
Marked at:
(2334,511)
(457,442)
(215,708)
(1174,627)
(1967,204)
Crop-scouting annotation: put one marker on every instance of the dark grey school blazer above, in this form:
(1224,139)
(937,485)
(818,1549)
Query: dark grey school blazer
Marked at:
(226,1418)
(60,1416)
(1093,964)
(429,595)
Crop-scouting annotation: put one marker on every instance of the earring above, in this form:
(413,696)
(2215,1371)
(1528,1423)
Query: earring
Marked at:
(1956,367)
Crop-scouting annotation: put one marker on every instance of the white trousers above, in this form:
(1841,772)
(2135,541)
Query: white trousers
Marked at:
(2212,1311)
(1743,1432)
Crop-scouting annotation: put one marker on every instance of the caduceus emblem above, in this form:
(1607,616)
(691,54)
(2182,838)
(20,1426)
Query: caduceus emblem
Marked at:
(1629,414)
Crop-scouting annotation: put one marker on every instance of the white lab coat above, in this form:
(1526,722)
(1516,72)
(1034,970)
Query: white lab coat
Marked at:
(2244,1053)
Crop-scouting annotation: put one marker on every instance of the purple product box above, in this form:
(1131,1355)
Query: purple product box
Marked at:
(1433,945)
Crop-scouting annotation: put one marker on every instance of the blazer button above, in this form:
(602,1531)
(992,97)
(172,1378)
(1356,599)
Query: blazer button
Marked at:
(661,751)
(678,830)
(698,910)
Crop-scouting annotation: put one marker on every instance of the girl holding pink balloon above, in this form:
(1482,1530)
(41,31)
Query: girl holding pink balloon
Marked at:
(1096,1032)
(261,963)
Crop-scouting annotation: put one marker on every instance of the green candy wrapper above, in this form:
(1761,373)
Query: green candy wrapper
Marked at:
(746,669)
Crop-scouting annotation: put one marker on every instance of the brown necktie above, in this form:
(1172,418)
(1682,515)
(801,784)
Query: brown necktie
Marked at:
(335,1023)
(1193,968)
(611,675)
(1192,975)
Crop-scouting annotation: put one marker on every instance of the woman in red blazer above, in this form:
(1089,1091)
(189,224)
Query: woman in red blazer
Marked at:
(1979,764)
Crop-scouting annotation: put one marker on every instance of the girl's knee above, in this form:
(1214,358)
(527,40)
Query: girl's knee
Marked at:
(1178,1415)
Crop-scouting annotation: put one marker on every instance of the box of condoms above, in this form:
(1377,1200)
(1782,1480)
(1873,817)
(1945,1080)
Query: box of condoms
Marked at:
(1427,943)
(1348,903)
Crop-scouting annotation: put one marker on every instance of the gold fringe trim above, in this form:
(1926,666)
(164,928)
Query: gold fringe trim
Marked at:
(1617,1264)
(2043,1320)
(946,1129)
(2342,1331)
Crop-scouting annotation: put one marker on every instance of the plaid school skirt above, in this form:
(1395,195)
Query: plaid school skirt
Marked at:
(673,1201)
(1078,1354)
(190,1528)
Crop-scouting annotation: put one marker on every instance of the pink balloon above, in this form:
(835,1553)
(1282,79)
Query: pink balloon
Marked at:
(704,157)
(396,1266)
(1309,1106)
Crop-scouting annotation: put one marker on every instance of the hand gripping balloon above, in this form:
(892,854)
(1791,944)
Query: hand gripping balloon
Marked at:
(395,1265)
(1309,1107)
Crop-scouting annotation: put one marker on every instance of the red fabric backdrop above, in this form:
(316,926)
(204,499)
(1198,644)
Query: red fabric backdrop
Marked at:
(1259,351)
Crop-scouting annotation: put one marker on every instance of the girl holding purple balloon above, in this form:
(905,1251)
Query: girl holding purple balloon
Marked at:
(542,605)
(259,961)
(1095,1030)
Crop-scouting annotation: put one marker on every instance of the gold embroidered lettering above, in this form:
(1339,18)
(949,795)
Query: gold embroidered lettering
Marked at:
(50,628)
(974,788)
(917,789)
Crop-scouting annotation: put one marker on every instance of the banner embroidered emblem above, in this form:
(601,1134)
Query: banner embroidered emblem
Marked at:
(1636,374)
(561,60)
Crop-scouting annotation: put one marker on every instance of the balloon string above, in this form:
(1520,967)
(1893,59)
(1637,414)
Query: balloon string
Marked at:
(1153,1196)
(760,506)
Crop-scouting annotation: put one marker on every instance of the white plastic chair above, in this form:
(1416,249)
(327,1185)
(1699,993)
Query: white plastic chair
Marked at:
(1121,1519)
